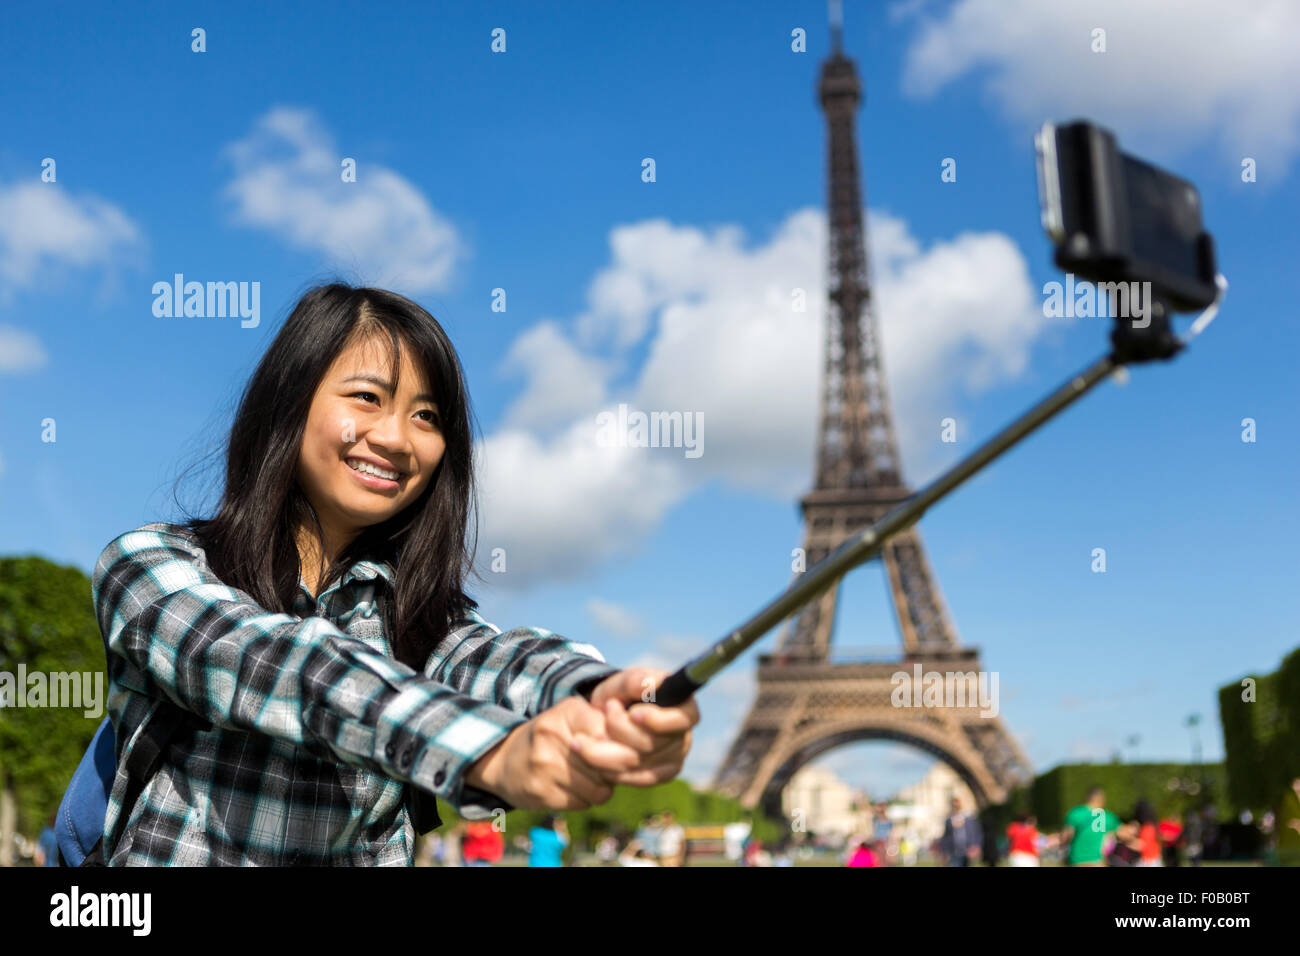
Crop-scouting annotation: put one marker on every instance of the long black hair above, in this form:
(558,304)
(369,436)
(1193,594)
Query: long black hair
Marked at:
(251,541)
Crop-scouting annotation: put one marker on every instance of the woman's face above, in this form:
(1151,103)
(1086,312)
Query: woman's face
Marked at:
(356,420)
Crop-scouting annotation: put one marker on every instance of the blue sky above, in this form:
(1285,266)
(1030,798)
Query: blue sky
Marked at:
(522,170)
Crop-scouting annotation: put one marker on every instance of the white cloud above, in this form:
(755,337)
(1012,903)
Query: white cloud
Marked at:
(557,507)
(964,309)
(287,180)
(961,311)
(612,619)
(724,343)
(1176,73)
(45,227)
(20,351)
(562,381)
(655,263)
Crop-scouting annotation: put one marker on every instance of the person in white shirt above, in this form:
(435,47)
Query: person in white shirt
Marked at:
(672,841)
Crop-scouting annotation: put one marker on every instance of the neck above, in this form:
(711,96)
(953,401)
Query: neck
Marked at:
(312,560)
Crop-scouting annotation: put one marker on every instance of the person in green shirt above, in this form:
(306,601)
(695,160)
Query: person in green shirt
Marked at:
(1086,829)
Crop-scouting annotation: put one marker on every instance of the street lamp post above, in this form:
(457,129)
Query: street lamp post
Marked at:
(1191,723)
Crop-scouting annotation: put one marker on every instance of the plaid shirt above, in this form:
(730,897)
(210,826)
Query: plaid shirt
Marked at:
(316,730)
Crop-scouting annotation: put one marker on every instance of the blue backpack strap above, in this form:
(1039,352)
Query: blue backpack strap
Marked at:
(80,828)
(80,821)
(142,762)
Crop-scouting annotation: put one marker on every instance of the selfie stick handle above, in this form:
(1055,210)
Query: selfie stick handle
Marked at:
(866,544)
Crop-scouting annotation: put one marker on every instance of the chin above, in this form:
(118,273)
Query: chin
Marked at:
(372,508)
(359,508)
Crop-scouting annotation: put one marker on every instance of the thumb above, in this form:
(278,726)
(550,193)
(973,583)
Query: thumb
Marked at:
(634,685)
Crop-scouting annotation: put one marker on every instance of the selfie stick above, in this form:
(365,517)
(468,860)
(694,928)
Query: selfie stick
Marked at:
(867,543)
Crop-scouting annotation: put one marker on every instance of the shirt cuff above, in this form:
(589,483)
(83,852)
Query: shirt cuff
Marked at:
(577,675)
(435,750)
(476,804)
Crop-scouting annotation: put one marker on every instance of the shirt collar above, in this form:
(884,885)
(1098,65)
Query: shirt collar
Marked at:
(367,570)
(362,570)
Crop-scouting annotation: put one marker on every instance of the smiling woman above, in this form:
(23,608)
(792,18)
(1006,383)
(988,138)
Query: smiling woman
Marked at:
(305,665)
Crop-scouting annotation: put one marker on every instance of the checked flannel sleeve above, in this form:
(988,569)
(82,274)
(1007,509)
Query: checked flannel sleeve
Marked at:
(173,629)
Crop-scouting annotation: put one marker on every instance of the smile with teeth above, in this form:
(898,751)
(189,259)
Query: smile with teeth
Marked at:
(368,469)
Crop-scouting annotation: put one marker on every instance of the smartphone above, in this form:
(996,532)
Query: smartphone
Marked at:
(1116,218)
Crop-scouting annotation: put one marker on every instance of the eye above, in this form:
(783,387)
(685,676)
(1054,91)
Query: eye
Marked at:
(435,420)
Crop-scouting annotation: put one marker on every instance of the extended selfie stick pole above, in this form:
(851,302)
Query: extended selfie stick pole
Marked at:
(866,544)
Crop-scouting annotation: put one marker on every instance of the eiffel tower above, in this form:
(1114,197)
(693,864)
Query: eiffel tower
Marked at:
(808,704)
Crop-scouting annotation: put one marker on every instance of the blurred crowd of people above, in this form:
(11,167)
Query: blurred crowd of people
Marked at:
(1089,835)
(659,841)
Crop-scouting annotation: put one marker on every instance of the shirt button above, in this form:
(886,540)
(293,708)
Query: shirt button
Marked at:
(390,750)
(405,760)
(439,777)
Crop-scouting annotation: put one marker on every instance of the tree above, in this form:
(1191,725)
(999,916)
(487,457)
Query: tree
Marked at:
(47,626)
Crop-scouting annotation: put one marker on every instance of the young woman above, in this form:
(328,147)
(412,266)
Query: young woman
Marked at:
(309,647)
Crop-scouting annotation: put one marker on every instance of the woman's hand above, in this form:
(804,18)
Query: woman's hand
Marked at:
(661,736)
(562,759)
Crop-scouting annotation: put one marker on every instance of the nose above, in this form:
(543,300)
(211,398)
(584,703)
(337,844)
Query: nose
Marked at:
(390,438)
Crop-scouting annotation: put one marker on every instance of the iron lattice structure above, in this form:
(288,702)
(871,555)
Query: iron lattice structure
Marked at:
(806,703)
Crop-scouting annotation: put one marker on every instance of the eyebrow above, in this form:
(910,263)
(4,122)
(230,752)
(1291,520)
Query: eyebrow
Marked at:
(388,386)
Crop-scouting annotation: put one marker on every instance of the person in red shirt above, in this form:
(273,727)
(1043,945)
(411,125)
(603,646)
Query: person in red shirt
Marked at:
(482,844)
(1022,835)
(1170,831)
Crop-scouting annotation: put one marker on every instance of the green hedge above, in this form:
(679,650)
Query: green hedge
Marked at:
(1171,788)
(1251,729)
(1261,740)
